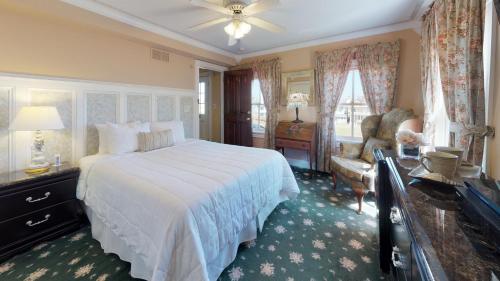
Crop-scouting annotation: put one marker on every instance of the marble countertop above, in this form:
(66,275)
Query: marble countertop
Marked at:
(18,177)
(440,229)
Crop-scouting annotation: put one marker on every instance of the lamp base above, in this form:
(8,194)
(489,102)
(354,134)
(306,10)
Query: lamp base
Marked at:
(297,121)
(37,169)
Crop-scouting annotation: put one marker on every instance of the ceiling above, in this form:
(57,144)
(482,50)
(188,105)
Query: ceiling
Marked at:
(304,20)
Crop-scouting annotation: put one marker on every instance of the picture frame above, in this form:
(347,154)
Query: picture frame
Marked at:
(296,81)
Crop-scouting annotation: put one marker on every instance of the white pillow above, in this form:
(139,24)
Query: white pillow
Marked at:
(120,138)
(176,127)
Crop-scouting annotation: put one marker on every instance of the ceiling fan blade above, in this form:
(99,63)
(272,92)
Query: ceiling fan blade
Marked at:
(211,6)
(260,6)
(232,41)
(209,23)
(264,24)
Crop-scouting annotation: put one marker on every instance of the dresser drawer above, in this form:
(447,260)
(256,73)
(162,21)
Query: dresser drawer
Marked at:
(292,144)
(17,230)
(33,199)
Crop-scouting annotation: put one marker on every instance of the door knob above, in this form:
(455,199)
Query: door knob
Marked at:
(249,112)
(248,119)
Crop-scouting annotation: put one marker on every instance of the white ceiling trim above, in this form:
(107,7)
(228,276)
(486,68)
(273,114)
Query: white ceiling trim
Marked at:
(123,17)
(413,24)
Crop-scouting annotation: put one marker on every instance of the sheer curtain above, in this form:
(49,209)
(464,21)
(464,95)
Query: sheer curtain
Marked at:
(269,74)
(436,122)
(331,70)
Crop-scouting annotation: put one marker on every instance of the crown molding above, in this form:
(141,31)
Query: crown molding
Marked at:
(123,17)
(337,38)
(131,20)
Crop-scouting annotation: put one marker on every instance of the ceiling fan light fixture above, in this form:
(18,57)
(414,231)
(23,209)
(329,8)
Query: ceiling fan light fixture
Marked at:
(237,29)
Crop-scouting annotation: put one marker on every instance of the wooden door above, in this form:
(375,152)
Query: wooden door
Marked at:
(238,107)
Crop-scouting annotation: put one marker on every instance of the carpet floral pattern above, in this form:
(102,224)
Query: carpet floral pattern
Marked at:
(316,237)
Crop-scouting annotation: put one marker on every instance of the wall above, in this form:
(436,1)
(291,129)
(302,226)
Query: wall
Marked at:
(55,39)
(494,143)
(408,92)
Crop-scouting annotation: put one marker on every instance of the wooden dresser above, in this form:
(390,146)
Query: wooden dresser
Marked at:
(37,208)
(300,136)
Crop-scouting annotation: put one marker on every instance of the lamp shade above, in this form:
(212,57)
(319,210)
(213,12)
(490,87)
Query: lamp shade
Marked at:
(297,100)
(33,118)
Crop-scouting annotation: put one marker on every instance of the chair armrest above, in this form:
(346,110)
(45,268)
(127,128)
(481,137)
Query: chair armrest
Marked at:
(351,150)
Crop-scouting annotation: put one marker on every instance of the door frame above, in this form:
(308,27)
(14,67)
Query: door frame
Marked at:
(199,64)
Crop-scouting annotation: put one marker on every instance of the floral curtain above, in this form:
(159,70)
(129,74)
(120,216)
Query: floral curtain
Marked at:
(429,74)
(378,68)
(331,71)
(269,74)
(458,40)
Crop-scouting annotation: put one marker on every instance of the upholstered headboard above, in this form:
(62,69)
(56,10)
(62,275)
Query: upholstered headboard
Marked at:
(82,104)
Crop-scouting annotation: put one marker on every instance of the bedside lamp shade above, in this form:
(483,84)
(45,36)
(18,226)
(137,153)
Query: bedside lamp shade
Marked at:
(34,118)
(296,101)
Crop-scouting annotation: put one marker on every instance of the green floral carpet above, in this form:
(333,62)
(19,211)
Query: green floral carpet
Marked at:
(316,237)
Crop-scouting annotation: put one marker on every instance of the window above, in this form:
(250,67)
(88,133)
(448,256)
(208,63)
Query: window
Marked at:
(352,109)
(201,98)
(258,108)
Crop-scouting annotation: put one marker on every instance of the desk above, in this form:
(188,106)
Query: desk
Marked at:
(301,136)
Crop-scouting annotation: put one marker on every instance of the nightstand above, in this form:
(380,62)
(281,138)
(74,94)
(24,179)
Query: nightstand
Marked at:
(35,208)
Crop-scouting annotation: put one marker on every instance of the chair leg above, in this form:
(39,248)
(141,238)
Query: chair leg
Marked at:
(359,195)
(334,180)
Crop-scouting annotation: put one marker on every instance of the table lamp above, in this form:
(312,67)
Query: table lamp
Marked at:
(37,118)
(296,101)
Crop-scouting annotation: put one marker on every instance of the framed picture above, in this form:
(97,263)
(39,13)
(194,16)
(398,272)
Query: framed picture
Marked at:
(297,82)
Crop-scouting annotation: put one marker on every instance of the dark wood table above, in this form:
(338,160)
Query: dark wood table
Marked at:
(301,136)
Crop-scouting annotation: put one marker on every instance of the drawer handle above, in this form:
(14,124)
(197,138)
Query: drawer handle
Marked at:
(31,223)
(395,216)
(397,258)
(31,200)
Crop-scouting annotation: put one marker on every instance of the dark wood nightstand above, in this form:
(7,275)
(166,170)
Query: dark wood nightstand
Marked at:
(300,136)
(34,208)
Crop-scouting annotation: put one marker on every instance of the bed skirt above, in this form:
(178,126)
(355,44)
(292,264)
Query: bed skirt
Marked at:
(111,243)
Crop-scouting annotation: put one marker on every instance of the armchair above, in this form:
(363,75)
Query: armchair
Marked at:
(355,164)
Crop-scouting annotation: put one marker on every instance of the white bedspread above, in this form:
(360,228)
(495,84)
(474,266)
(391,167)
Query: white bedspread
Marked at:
(178,208)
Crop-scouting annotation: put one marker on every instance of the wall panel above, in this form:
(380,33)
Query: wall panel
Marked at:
(166,108)
(101,108)
(4,129)
(138,108)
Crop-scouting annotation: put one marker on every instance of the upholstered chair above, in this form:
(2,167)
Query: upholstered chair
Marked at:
(356,164)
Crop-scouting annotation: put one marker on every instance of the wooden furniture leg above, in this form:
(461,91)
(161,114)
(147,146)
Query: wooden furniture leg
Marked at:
(359,195)
(334,180)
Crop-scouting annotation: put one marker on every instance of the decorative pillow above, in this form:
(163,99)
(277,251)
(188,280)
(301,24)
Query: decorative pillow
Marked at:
(370,145)
(155,140)
(104,134)
(176,127)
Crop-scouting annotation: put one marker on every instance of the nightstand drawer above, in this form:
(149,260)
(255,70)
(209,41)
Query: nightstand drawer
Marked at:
(34,199)
(292,144)
(27,227)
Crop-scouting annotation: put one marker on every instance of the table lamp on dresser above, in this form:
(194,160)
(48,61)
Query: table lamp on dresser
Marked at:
(296,101)
(37,118)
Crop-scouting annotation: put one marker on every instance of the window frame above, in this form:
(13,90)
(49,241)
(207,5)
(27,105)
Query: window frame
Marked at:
(257,133)
(202,87)
(351,105)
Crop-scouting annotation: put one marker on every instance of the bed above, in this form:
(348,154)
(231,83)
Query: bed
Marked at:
(180,213)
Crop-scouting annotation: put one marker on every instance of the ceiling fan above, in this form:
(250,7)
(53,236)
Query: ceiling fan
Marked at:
(240,15)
